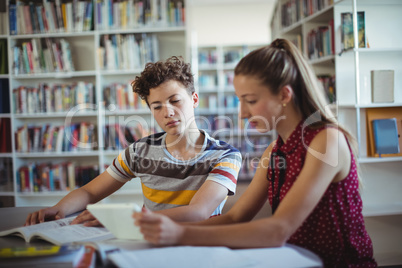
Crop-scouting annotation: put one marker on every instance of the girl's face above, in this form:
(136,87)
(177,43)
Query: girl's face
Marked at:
(257,104)
(172,107)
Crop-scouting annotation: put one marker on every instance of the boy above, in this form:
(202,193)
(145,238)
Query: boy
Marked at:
(185,174)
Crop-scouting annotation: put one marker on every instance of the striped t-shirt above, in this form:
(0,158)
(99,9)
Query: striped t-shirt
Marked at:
(168,182)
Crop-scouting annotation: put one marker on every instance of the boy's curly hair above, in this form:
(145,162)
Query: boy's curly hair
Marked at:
(155,74)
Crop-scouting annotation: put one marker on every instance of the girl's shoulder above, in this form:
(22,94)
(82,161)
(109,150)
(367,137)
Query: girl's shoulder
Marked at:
(330,143)
(325,131)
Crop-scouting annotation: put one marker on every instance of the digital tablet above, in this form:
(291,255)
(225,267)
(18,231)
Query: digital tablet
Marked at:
(117,218)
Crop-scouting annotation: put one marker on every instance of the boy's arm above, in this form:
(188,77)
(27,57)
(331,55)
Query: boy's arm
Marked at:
(97,189)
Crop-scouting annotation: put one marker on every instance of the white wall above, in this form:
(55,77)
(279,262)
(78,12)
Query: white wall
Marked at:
(230,24)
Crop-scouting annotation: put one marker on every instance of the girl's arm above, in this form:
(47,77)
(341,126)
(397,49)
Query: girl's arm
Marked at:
(252,200)
(327,160)
(201,206)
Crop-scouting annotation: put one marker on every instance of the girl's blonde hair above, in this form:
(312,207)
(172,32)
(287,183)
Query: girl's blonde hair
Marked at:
(280,64)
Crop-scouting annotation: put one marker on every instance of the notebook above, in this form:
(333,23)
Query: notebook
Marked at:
(386,136)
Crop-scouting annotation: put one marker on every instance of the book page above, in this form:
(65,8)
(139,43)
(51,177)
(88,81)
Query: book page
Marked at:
(27,231)
(73,233)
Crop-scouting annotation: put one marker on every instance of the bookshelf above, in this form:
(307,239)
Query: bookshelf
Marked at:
(219,107)
(351,69)
(381,175)
(353,75)
(69,70)
(6,164)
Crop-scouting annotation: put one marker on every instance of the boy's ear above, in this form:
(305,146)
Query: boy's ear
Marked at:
(286,94)
(196,100)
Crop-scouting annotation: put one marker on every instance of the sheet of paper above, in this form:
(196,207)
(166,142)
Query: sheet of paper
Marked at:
(181,257)
(201,257)
(289,256)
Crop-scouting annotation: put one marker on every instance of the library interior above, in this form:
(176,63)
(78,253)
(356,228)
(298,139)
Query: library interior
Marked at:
(67,109)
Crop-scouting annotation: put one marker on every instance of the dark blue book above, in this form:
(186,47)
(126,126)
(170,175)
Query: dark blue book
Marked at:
(386,136)
(12,13)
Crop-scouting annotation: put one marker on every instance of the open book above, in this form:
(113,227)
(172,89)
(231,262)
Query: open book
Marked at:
(60,232)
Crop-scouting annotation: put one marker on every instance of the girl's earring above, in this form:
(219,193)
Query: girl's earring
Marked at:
(284,104)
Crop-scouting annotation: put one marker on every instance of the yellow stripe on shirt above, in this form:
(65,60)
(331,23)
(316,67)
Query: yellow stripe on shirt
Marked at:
(123,165)
(180,198)
(229,165)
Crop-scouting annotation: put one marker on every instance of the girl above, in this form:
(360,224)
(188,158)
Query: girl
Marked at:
(309,174)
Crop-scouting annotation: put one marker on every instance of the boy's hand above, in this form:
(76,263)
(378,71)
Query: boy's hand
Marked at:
(158,229)
(87,219)
(51,213)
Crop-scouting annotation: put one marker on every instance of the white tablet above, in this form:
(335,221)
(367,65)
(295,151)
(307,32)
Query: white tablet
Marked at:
(117,218)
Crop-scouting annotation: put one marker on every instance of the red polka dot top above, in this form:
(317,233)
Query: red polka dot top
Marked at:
(335,229)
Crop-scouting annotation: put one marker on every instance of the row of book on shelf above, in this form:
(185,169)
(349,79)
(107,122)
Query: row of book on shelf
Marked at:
(44,177)
(42,56)
(230,55)
(293,11)
(328,85)
(210,101)
(127,51)
(50,138)
(76,16)
(78,137)
(118,137)
(122,96)
(216,124)
(35,17)
(128,14)
(49,98)
(208,79)
(207,56)
(321,41)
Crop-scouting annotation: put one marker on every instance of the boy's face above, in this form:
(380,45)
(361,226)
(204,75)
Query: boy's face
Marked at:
(172,107)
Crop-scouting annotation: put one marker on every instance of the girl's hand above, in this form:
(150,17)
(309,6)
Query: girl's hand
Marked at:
(87,219)
(158,229)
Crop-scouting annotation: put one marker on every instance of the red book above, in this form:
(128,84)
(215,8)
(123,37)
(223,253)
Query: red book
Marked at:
(30,56)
